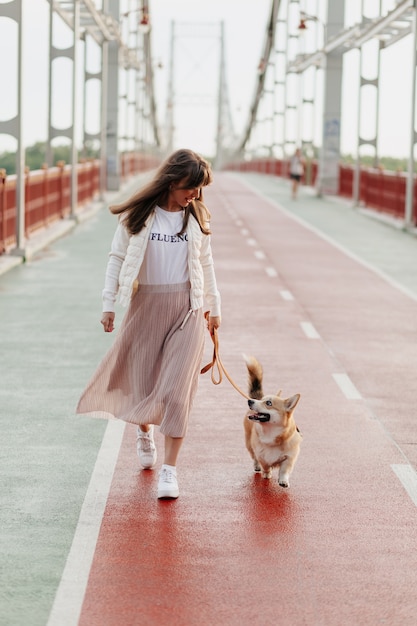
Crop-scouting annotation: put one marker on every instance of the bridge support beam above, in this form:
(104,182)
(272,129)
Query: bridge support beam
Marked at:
(112,99)
(14,126)
(328,175)
(409,220)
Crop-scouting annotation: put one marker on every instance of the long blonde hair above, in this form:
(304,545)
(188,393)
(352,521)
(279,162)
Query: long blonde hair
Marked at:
(183,166)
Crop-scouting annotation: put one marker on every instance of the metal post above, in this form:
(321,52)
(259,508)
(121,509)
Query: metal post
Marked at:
(328,178)
(292,141)
(219,135)
(20,156)
(48,152)
(137,102)
(74,151)
(103,118)
(378,98)
(281,87)
(112,96)
(372,142)
(408,217)
(86,77)
(170,102)
(357,172)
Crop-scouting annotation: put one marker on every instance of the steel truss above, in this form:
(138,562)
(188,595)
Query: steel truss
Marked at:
(103,27)
(225,134)
(388,29)
(85,20)
(99,25)
(260,85)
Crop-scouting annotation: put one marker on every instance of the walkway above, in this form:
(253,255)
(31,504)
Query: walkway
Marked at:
(326,298)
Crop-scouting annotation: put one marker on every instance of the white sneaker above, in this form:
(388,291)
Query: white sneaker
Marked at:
(146,448)
(168,485)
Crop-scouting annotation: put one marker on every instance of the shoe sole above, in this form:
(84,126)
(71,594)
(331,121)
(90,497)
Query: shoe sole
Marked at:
(167,496)
(149,464)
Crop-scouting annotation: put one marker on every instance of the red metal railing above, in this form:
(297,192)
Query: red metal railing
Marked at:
(381,190)
(48,193)
(133,162)
(48,197)
(276,167)
(7,212)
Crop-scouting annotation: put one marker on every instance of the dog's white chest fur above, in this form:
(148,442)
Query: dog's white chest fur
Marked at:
(265,446)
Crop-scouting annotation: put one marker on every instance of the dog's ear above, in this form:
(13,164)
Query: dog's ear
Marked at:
(291,403)
(278,393)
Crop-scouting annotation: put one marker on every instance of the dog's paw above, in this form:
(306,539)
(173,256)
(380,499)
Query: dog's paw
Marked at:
(256,466)
(267,474)
(284,483)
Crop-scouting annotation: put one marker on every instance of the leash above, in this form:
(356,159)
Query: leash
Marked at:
(216,363)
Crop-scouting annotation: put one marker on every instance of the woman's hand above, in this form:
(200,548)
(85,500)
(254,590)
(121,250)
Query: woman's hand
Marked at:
(213,323)
(108,321)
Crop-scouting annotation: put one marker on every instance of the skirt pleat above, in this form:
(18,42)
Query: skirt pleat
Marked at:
(150,374)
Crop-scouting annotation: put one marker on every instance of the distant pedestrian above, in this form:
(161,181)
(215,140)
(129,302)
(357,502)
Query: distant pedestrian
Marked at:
(296,172)
(161,267)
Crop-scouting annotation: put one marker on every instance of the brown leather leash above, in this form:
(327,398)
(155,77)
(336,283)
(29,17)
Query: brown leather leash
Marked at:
(216,363)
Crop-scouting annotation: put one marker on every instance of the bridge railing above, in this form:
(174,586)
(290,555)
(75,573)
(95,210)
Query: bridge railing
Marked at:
(48,193)
(379,189)
(276,167)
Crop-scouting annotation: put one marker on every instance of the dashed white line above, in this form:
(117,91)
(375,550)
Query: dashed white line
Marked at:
(271,272)
(252,242)
(286,295)
(259,254)
(70,594)
(334,243)
(408,479)
(309,330)
(244,232)
(347,387)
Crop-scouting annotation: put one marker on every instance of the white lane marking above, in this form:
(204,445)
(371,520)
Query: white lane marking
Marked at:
(286,295)
(391,281)
(69,597)
(271,272)
(252,242)
(347,387)
(259,254)
(239,223)
(408,478)
(244,232)
(309,330)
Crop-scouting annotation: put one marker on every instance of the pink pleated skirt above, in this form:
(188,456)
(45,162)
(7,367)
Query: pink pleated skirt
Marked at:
(150,374)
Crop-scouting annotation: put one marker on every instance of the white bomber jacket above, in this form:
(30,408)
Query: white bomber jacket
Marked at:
(126,257)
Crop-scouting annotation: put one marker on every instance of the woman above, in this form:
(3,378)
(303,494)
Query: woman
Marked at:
(296,171)
(161,267)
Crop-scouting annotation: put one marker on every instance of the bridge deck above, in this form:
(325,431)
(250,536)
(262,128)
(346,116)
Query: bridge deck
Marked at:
(326,298)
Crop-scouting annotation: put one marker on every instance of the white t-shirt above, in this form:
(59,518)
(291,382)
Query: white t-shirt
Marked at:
(296,165)
(166,256)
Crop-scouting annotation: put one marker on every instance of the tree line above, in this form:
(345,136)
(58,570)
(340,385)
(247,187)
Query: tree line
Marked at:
(35,156)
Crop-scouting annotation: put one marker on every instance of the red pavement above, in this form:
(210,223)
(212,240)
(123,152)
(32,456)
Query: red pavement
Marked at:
(338,547)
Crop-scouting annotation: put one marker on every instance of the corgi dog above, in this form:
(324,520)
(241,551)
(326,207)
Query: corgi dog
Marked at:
(271,436)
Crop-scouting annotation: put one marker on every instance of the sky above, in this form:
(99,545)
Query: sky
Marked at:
(197,62)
